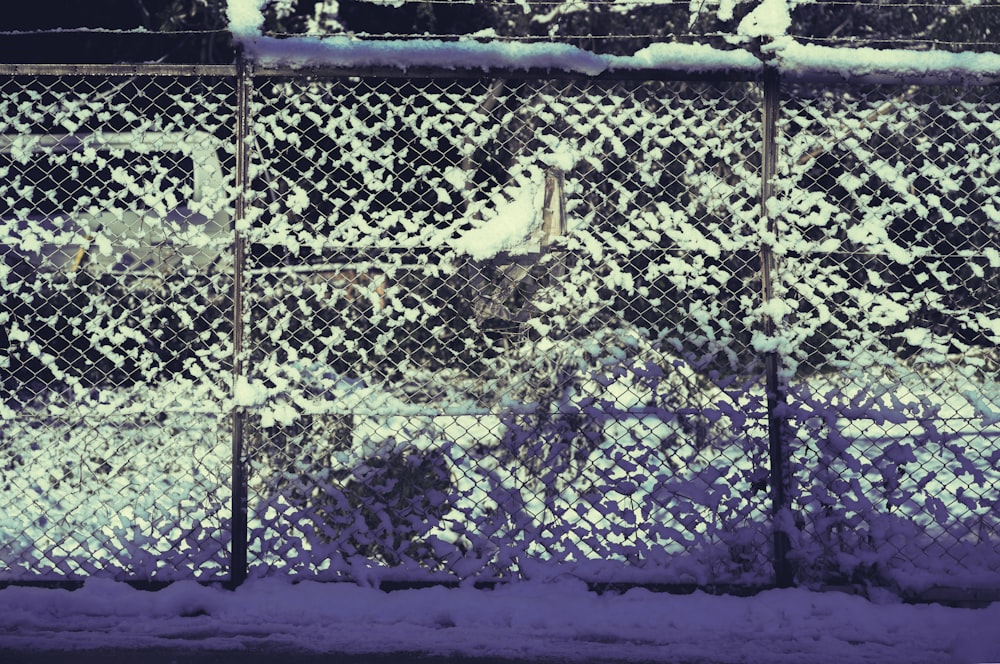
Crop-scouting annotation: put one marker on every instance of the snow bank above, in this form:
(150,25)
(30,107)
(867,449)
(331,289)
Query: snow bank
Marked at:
(551,621)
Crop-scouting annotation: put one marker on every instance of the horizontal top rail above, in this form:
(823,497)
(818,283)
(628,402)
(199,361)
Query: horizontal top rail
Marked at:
(191,70)
(724,75)
(140,69)
(791,72)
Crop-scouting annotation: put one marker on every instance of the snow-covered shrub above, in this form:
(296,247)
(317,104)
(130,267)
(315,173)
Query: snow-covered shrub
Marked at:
(317,491)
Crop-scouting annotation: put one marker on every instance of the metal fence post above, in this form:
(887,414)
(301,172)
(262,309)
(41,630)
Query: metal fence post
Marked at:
(238,541)
(777,444)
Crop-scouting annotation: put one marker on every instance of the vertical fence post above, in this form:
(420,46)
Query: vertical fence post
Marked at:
(238,536)
(777,443)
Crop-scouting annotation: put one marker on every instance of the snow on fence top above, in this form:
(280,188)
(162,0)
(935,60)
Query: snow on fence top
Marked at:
(344,51)
(884,65)
(769,22)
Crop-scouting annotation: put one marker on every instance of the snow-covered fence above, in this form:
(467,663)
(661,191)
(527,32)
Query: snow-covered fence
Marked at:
(433,326)
(888,319)
(446,385)
(115,323)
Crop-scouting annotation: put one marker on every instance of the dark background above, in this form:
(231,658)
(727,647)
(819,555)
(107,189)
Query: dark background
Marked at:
(48,37)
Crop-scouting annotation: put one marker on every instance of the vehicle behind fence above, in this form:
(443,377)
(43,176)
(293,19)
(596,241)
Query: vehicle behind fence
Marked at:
(445,328)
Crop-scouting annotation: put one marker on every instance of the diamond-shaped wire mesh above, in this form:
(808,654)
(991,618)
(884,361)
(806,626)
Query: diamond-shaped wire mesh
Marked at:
(496,329)
(888,258)
(115,300)
(455,375)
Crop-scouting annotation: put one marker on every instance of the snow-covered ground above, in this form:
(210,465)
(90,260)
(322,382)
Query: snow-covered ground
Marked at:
(559,621)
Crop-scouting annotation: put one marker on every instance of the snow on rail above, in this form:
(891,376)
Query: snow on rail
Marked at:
(769,22)
(346,51)
(884,65)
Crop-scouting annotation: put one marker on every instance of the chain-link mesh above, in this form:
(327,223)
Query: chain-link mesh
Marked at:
(498,324)
(115,284)
(496,329)
(889,317)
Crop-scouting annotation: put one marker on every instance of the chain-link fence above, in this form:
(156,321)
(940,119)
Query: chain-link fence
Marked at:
(888,198)
(116,287)
(497,328)
(493,332)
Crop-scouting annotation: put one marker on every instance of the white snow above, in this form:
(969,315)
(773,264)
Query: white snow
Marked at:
(771,18)
(245,17)
(685,57)
(554,621)
(725,10)
(790,56)
(884,65)
(247,394)
(508,228)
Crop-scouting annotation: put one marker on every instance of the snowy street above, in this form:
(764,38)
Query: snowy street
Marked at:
(267,620)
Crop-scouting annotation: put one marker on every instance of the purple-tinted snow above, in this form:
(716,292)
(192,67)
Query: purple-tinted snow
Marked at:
(345,51)
(530,620)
